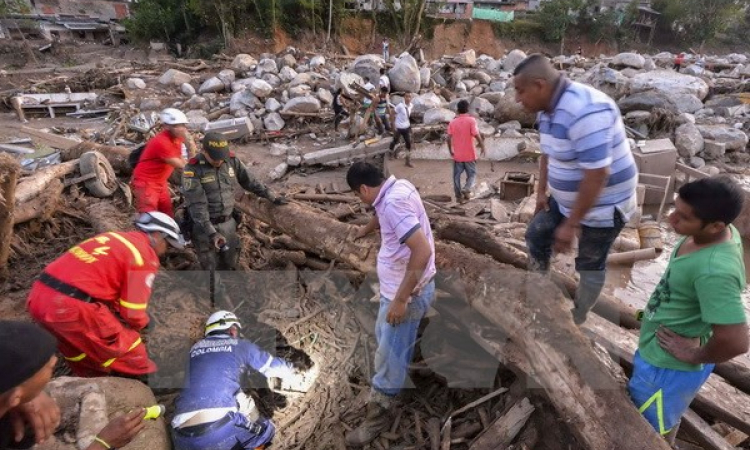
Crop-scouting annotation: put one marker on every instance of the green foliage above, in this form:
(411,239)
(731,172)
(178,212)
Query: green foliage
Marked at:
(13,7)
(555,17)
(159,20)
(518,30)
(699,21)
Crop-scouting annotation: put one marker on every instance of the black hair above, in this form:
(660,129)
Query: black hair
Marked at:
(714,199)
(382,71)
(537,66)
(463,106)
(364,173)
(384,90)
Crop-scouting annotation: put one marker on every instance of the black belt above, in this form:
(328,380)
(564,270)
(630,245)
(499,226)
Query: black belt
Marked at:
(220,219)
(66,289)
(204,428)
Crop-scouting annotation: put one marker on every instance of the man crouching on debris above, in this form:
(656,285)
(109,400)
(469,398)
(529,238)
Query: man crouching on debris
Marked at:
(93,298)
(589,169)
(406,268)
(212,411)
(695,318)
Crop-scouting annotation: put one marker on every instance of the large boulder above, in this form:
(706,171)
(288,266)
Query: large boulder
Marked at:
(301,78)
(481,76)
(244,63)
(135,83)
(481,107)
(646,101)
(266,65)
(272,105)
(187,89)
(227,76)
(737,58)
(467,58)
(507,109)
(424,77)
(243,101)
(345,80)
(174,77)
(493,97)
(425,102)
(438,115)
(513,59)
(287,74)
(686,103)
(305,104)
(197,119)
(272,79)
(368,66)
(273,122)
(325,96)
(287,61)
(669,83)
(633,60)
(213,84)
(733,139)
(688,140)
(405,75)
(300,90)
(260,88)
(317,61)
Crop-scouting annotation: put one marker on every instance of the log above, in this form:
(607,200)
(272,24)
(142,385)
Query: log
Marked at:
(632,256)
(42,206)
(702,432)
(526,307)
(9,169)
(502,432)
(117,156)
(334,198)
(31,186)
(52,140)
(213,115)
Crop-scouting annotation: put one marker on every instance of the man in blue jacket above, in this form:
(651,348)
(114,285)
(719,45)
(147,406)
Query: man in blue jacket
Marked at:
(212,412)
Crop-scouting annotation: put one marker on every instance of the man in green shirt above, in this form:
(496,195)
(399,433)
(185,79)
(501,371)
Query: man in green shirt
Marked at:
(695,318)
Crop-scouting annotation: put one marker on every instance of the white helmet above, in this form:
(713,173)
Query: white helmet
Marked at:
(173,116)
(158,221)
(220,321)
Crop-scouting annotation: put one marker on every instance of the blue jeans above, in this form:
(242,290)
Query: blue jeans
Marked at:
(471,174)
(234,435)
(396,343)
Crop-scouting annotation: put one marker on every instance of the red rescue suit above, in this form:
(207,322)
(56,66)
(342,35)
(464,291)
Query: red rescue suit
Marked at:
(149,181)
(99,334)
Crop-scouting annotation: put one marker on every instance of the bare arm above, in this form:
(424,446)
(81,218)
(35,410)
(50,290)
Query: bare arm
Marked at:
(418,260)
(726,342)
(177,163)
(371,226)
(450,145)
(480,142)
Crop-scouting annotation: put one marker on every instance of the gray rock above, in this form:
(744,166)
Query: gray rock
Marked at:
(227,76)
(197,119)
(272,79)
(301,78)
(512,134)
(325,96)
(485,129)
(649,65)
(697,162)
(733,139)
(187,89)
(693,70)
(686,103)
(317,61)
(213,84)
(637,117)
(197,102)
(498,86)
(438,115)
(243,100)
(481,76)
(513,59)
(299,91)
(272,105)
(629,72)
(512,125)
(241,85)
(287,74)
(260,88)
(306,104)
(736,58)
(493,97)
(174,77)
(633,60)
(150,104)
(273,122)
(266,65)
(279,171)
(481,107)
(345,80)
(508,109)
(294,160)
(685,118)
(467,58)
(713,150)
(368,66)
(405,75)
(288,61)
(461,89)
(724,101)
(280,149)
(425,102)
(669,83)
(646,101)
(688,140)
(257,123)
(135,83)
(470,84)
(244,63)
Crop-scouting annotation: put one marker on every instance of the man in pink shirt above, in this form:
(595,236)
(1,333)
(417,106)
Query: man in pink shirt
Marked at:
(462,131)
(406,268)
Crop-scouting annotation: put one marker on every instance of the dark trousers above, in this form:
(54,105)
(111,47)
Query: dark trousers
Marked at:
(340,115)
(406,134)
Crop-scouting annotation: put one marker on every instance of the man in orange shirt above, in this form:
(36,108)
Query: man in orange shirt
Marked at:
(162,154)
(462,131)
(93,298)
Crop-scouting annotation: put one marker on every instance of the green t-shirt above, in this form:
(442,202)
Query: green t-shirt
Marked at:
(697,290)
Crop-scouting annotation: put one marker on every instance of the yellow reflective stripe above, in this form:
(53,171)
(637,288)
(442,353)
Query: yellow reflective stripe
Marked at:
(131,247)
(658,397)
(75,358)
(130,305)
(109,362)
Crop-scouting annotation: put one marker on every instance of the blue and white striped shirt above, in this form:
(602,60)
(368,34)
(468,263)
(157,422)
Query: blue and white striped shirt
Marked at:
(585,131)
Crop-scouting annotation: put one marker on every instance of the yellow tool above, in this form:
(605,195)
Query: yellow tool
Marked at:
(154,412)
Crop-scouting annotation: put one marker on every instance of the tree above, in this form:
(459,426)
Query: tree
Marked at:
(699,21)
(556,17)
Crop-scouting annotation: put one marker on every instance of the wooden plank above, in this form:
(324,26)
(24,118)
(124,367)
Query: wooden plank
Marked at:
(52,140)
(502,432)
(702,432)
(345,153)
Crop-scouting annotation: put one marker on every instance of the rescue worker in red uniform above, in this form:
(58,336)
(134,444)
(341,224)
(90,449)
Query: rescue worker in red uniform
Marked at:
(93,298)
(162,154)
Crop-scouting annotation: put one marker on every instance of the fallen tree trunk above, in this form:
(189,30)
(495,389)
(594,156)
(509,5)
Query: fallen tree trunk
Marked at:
(527,307)
(42,206)
(9,169)
(117,156)
(35,184)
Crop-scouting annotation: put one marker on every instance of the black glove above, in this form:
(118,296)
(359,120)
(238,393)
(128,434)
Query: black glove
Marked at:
(278,200)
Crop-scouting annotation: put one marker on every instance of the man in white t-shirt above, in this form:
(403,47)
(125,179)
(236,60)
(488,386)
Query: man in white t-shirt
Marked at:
(384,81)
(403,126)
(369,87)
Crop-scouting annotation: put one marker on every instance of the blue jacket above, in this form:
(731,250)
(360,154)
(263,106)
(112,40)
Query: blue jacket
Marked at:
(216,366)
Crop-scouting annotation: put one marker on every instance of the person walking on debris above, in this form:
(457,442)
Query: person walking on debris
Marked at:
(403,126)
(462,131)
(94,297)
(384,81)
(212,411)
(24,406)
(678,61)
(386,50)
(587,166)
(695,317)
(208,184)
(162,154)
(383,111)
(406,268)
(340,105)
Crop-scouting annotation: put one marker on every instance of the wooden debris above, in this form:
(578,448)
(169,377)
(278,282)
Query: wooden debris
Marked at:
(33,185)
(43,206)
(703,433)
(502,432)
(49,139)
(117,156)
(9,169)
(326,198)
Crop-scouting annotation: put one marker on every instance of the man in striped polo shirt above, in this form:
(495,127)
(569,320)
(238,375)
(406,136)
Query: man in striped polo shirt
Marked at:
(587,174)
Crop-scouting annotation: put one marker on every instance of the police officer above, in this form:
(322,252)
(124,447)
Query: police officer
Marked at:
(208,183)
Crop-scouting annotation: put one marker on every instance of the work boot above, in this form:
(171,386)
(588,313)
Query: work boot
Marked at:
(377,420)
(408,161)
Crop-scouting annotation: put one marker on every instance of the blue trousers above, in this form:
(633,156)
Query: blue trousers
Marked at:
(236,434)
(396,343)
(471,175)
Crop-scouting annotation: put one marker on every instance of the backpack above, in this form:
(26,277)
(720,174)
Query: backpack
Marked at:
(135,155)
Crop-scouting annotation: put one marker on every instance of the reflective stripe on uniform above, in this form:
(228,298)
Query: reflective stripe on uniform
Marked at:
(130,305)
(658,397)
(75,358)
(130,246)
(109,362)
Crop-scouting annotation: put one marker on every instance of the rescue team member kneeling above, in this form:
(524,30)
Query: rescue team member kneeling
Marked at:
(208,183)
(93,299)
(212,412)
